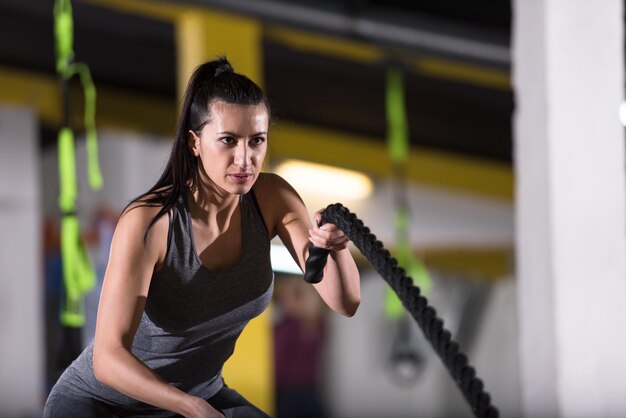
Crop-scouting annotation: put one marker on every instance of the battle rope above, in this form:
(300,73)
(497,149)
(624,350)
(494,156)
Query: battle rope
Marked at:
(448,350)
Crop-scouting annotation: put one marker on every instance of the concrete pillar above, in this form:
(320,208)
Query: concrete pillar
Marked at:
(571,213)
(22,345)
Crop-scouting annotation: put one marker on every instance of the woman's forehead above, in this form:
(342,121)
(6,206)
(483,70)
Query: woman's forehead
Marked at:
(222,113)
(233,117)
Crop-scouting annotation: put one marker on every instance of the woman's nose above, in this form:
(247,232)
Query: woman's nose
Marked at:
(242,155)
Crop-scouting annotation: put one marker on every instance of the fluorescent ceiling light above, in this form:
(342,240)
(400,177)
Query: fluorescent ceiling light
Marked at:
(282,261)
(325,180)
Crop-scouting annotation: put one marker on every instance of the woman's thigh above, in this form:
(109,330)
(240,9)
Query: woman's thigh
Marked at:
(233,405)
(60,405)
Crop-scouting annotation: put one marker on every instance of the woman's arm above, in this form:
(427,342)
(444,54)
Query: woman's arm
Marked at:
(123,297)
(340,288)
(343,291)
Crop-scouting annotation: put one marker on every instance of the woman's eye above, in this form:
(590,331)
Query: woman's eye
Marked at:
(257,141)
(228,140)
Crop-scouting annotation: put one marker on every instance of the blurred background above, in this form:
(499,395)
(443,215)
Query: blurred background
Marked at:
(325,67)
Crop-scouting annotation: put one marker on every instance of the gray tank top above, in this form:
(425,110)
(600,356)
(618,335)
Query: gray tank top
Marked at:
(193,315)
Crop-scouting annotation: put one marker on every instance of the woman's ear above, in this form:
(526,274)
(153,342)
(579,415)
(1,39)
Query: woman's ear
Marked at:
(193,142)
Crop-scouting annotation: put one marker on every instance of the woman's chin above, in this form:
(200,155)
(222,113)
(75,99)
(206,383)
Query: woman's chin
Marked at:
(239,189)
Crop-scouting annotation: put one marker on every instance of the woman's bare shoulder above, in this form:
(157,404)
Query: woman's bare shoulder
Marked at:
(277,198)
(135,221)
(272,184)
(139,213)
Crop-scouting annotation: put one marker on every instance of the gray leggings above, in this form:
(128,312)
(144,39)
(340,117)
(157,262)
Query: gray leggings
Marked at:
(63,405)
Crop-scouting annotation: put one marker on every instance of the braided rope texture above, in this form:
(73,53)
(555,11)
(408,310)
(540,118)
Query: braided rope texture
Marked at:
(441,340)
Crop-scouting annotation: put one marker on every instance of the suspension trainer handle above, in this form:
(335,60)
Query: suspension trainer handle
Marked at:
(315,263)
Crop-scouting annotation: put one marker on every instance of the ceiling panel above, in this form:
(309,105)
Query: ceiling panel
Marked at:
(342,94)
(137,54)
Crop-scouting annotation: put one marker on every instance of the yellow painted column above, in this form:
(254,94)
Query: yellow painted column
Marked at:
(202,36)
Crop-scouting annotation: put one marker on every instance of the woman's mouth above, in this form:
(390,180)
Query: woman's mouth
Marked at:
(240,178)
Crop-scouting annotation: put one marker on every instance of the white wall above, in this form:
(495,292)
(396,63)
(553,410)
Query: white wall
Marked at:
(496,352)
(130,164)
(357,380)
(21,345)
(439,217)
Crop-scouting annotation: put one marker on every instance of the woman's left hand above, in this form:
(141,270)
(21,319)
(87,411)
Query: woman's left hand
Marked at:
(328,236)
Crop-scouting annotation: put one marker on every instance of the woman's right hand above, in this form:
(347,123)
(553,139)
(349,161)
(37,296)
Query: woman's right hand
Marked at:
(199,408)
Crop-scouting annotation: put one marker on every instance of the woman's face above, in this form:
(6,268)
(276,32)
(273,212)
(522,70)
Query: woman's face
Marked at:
(231,148)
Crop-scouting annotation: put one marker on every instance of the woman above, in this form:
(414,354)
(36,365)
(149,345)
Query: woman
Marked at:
(189,266)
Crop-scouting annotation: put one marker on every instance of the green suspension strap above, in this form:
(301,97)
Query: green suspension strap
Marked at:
(398,150)
(78,272)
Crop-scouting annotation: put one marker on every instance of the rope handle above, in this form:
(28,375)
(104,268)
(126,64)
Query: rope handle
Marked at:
(410,295)
(315,263)
(314,266)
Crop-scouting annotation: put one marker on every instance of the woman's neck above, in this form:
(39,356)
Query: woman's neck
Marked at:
(210,203)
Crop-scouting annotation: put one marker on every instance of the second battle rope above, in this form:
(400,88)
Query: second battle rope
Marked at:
(448,350)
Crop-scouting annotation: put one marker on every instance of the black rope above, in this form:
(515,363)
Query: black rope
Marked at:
(448,350)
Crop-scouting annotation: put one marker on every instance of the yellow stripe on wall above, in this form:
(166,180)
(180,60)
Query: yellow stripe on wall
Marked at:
(362,52)
(40,92)
(323,44)
(115,108)
(496,79)
(490,264)
(143,113)
(157,10)
(342,149)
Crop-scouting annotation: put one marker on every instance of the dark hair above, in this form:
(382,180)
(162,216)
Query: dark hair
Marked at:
(212,81)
